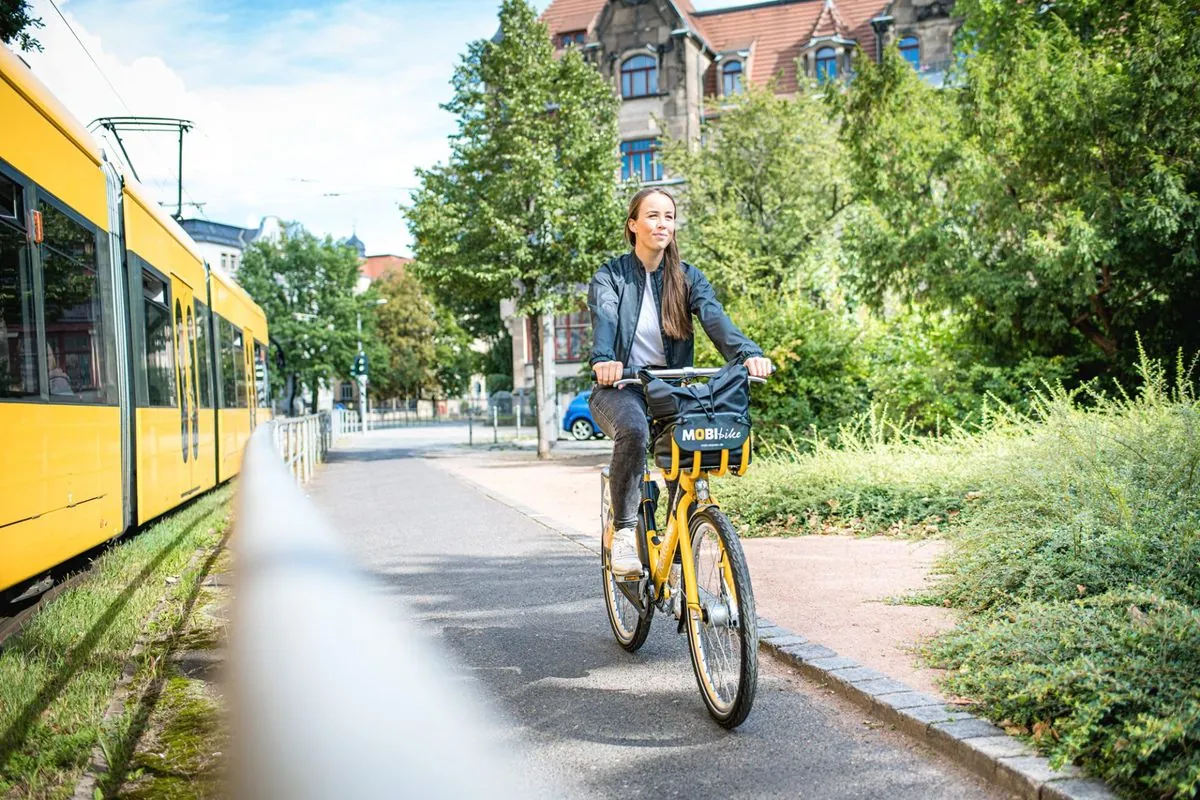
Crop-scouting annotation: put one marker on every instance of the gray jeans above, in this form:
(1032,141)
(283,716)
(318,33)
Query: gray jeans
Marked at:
(621,414)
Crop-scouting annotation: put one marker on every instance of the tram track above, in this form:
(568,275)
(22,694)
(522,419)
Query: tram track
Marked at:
(14,616)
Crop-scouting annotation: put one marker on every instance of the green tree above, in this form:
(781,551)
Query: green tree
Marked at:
(764,200)
(527,203)
(424,348)
(305,286)
(1053,197)
(15,24)
(763,192)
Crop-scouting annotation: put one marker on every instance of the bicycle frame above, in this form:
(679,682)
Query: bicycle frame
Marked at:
(693,488)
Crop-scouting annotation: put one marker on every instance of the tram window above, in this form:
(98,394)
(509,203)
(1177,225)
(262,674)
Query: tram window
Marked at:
(12,201)
(159,354)
(203,356)
(260,375)
(239,372)
(18,326)
(233,366)
(76,332)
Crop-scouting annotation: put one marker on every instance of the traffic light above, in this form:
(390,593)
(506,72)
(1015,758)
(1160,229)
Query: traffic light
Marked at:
(360,365)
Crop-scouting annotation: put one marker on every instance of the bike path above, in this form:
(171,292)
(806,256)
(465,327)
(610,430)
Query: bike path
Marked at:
(519,611)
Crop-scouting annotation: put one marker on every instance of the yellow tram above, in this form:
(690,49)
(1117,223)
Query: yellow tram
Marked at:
(131,374)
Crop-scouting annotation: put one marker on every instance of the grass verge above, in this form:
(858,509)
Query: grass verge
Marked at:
(57,675)
(170,740)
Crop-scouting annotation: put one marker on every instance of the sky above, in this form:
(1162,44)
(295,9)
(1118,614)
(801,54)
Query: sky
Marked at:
(313,111)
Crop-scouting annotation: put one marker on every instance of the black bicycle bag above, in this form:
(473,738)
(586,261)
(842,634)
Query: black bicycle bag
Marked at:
(712,419)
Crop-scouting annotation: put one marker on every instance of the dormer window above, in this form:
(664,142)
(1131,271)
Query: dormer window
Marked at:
(569,38)
(731,78)
(826,64)
(639,77)
(910,51)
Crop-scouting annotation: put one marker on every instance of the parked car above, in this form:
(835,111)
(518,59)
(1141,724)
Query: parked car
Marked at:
(578,421)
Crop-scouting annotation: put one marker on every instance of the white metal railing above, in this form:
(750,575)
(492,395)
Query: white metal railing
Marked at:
(332,693)
(301,442)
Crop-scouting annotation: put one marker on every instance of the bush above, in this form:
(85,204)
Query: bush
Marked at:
(1109,682)
(878,477)
(1106,497)
(820,383)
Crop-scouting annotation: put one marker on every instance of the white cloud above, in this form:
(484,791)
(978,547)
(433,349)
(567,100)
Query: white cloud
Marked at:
(317,114)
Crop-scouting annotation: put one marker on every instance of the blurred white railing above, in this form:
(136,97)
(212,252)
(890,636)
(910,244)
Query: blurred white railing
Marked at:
(333,693)
(303,442)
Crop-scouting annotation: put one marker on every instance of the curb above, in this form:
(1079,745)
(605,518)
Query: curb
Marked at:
(968,740)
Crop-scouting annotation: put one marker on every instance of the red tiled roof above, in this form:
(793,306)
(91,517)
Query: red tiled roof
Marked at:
(778,31)
(829,22)
(571,15)
(781,30)
(374,267)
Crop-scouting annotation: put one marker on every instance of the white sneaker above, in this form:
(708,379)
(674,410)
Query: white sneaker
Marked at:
(625,560)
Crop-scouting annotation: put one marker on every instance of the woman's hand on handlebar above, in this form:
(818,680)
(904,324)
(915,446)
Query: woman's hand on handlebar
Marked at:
(757,366)
(607,372)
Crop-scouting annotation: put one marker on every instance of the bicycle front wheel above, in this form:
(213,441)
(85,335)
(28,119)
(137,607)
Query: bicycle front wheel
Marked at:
(629,626)
(723,636)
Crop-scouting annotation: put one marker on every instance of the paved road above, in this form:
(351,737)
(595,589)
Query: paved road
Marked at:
(519,607)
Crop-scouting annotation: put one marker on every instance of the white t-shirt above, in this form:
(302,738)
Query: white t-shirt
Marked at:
(648,350)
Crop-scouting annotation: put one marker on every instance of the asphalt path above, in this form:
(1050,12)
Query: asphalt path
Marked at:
(518,611)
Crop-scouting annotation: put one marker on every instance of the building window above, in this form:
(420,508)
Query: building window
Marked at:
(639,160)
(233,262)
(731,77)
(910,51)
(639,77)
(826,64)
(572,335)
(572,38)
(347,392)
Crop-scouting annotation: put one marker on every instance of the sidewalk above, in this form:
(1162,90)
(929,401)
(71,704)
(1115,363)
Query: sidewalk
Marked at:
(833,589)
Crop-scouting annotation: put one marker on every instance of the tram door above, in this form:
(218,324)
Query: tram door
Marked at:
(184,315)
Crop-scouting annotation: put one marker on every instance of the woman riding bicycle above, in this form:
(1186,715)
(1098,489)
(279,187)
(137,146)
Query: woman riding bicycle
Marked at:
(642,305)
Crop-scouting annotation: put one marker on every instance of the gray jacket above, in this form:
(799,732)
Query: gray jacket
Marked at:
(615,300)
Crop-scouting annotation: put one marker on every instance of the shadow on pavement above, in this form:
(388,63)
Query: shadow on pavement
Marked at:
(543,648)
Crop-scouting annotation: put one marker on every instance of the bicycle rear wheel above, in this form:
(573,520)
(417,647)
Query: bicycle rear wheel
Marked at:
(629,625)
(723,639)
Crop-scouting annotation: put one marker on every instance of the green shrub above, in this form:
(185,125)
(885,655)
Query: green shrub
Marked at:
(1109,682)
(1106,497)
(878,477)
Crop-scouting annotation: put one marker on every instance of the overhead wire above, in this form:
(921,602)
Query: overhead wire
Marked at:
(191,201)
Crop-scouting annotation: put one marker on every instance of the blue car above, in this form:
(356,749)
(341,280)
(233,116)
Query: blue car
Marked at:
(578,421)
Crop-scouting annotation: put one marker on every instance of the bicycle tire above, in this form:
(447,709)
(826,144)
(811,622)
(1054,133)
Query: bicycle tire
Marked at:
(629,627)
(724,654)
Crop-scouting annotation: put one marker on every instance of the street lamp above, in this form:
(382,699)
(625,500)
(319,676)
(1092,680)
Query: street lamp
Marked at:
(362,372)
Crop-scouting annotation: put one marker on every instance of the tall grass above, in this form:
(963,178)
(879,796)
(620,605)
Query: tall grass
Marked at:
(876,476)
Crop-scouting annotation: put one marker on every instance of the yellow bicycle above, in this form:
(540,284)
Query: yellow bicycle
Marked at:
(709,592)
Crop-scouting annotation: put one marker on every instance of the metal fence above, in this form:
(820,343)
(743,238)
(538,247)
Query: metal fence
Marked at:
(303,442)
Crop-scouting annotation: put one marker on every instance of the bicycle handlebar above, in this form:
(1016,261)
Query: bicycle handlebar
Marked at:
(629,375)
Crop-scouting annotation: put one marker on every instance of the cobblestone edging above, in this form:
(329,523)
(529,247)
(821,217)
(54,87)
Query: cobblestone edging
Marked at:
(973,742)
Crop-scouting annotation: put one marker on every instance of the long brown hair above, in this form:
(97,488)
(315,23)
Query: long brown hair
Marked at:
(676,317)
